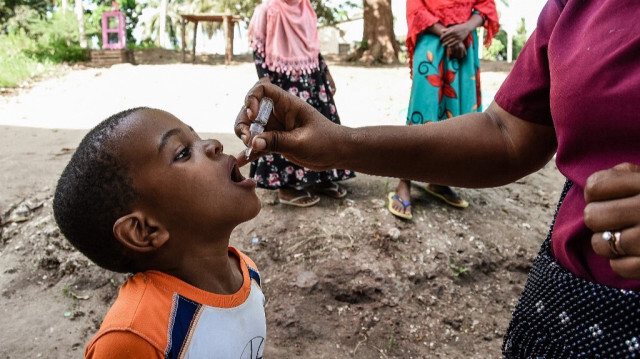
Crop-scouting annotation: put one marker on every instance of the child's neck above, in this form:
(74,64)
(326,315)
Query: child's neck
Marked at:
(213,269)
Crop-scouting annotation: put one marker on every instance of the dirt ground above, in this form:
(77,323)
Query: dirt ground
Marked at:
(343,279)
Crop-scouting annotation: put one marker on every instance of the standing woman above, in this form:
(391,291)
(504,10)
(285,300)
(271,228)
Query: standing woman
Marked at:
(286,49)
(445,69)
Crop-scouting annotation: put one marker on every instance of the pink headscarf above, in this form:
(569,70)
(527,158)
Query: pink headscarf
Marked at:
(285,32)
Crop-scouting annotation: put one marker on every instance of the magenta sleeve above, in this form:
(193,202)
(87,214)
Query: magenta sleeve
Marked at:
(525,92)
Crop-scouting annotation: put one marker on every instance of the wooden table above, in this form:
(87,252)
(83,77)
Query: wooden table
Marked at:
(228,21)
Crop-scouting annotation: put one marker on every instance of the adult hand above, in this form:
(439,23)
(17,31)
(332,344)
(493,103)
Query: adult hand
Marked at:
(457,51)
(295,129)
(454,34)
(613,207)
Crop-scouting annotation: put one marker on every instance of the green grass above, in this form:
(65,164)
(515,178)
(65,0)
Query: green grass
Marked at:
(15,65)
(17,69)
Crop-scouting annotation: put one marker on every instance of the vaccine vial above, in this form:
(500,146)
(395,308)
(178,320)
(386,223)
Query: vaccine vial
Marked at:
(257,126)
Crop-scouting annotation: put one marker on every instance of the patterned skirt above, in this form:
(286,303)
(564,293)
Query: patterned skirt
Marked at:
(443,87)
(562,316)
(274,171)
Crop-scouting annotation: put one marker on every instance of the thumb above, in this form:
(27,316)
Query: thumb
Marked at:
(276,141)
(265,143)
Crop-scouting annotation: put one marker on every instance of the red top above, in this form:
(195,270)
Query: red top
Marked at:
(422,14)
(580,73)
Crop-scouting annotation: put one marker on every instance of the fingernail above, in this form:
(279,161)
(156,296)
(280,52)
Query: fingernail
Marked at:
(249,112)
(259,144)
(243,137)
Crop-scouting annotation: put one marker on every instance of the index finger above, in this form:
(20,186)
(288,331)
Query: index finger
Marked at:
(620,181)
(249,110)
(450,41)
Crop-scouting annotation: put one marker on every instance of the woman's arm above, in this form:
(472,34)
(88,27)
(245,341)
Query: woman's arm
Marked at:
(473,150)
(457,33)
(436,29)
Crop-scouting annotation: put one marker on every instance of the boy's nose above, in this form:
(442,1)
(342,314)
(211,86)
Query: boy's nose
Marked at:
(213,147)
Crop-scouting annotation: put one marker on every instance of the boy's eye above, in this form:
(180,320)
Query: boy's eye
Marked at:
(184,154)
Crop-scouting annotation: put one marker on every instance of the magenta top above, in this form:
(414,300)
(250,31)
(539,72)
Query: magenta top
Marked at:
(580,72)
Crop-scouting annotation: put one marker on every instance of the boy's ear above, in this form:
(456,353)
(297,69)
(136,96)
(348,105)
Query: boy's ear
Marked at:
(140,233)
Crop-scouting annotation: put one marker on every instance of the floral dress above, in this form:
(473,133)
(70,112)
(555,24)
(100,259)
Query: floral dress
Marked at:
(273,171)
(443,87)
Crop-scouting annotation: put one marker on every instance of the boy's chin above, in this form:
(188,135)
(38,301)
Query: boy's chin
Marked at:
(253,209)
(257,211)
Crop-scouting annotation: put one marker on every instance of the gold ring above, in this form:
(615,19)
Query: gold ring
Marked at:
(616,244)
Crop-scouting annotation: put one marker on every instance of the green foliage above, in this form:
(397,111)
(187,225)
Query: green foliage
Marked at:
(61,25)
(16,65)
(519,39)
(93,23)
(498,48)
(12,9)
(391,343)
(458,270)
(132,12)
(58,51)
(57,39)
(32,48)
(494,52)
(328,15)
(243,8)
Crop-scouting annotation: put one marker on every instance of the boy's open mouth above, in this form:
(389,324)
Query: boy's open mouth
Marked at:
(236,176)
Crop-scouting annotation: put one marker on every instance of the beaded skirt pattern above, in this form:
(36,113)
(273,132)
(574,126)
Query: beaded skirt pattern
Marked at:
(562,316)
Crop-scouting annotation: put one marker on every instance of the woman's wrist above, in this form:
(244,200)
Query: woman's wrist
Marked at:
(436,29)
(476,20)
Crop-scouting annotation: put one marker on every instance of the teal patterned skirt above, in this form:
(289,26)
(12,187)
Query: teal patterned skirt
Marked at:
(443,87)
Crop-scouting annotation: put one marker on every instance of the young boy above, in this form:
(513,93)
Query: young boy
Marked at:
(144,194)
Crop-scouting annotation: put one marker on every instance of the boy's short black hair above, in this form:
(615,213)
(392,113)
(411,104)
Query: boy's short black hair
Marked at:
(93,191)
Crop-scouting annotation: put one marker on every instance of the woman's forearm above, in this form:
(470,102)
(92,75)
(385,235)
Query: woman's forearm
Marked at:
(476,20)
(436,29)
(474,150)
(485,149)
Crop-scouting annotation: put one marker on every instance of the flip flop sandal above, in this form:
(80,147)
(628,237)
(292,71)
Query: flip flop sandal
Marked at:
(296,201)
(452,200)
(335,191)
(393,196)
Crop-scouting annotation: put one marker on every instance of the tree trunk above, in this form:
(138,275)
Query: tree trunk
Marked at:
(64,5)
(81,29)
(381,44)
(163,37)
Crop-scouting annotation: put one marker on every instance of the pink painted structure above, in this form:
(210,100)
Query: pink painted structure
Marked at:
(113,35)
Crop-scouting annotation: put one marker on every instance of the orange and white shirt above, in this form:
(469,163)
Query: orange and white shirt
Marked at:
(157,315)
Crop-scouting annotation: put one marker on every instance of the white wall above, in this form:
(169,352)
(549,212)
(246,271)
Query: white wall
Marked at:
(349,32)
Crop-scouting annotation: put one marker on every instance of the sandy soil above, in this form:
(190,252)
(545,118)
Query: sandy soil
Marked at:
(342,279)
